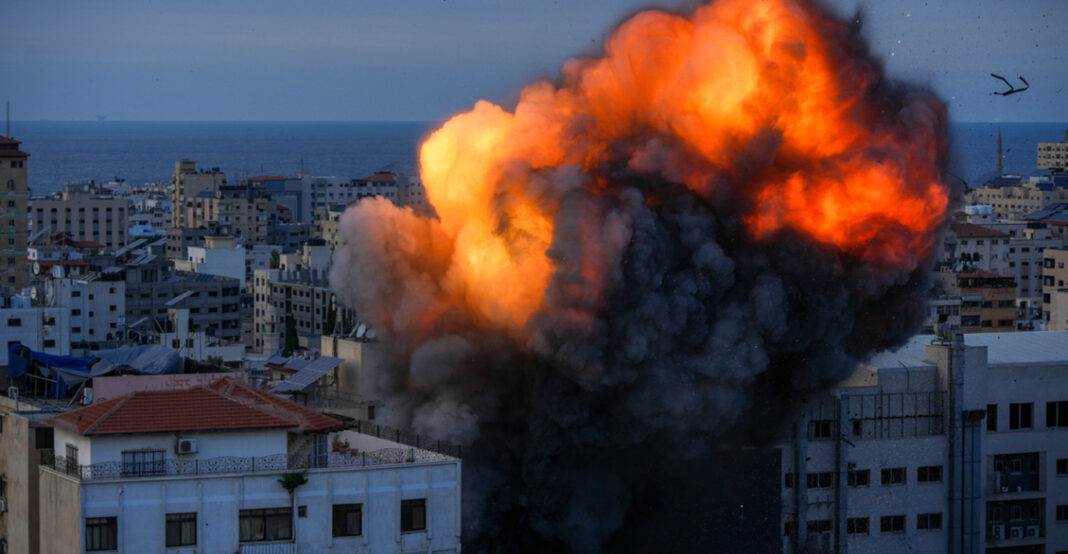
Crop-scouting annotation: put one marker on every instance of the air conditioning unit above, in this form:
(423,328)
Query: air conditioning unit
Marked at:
(1004,489)
(3,504)
(185,446)
(1031,531)
(1016,533)
(998,532)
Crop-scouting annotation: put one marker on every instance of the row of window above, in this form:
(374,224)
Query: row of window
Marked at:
(862,525)
(256,525)
(1021,415)
(862,477)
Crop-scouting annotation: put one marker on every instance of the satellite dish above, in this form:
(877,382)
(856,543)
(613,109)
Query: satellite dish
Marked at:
(371,334)
(360,330)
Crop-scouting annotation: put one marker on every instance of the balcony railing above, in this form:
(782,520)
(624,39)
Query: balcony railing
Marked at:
(274,463)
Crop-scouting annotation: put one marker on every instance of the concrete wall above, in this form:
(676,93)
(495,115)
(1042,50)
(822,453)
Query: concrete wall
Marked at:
(109,448)
(19,461)
(60,513)
(141,506)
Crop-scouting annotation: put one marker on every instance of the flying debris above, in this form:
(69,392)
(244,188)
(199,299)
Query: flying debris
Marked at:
(1012,89)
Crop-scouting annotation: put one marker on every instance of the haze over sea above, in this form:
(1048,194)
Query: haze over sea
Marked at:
(141,152)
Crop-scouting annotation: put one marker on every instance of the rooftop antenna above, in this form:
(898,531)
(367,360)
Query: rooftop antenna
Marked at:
(7,121)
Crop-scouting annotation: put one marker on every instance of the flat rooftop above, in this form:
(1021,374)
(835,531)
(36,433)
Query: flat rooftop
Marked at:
(1027,347)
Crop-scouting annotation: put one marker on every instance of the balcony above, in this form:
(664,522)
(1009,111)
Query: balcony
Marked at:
(274,463)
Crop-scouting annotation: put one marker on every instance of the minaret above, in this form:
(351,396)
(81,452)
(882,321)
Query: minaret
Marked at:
(997,166)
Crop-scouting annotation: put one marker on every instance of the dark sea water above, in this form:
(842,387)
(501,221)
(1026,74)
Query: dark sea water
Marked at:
(141,152)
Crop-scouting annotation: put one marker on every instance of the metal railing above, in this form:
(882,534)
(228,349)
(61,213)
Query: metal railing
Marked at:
(406,437)
(237,464)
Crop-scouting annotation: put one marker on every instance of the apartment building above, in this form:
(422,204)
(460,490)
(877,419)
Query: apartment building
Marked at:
(41,328)
(219,256)
(1054,289)
(978,247)
(954,443)
(14,195)
(22,437)
(206,469)
(85,212)
(1012,197)
(1052,154)
(988,300)
(234,208)
(187,182)
(97,308)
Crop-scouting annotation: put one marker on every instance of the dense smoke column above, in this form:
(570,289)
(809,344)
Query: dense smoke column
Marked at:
(628,281)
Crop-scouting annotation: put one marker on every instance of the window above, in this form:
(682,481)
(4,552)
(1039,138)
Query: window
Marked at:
(929,474)
(348,520)
(1062,512)
(818,526)
(101,533)
(788,480)
(49,343)
(1020,415)
(182,529)
(857,526)
(822,480)
(859,478)
(269,524)
(991,417)
(821,429)
(1057,414)
(892,524)
(893,476)
(142,462)
(14,322)
(1062,466)
(413,515)
(928,522)
(72,455)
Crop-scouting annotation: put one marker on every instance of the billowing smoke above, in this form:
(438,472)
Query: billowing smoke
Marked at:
(653,258)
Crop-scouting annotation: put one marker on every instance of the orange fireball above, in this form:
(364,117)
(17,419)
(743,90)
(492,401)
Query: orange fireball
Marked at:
(768,96)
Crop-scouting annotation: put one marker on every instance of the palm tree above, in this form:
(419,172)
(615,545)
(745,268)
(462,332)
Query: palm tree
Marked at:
(290,482)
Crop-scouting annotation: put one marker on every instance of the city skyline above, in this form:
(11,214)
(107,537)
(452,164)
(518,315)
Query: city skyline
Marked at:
(379,61)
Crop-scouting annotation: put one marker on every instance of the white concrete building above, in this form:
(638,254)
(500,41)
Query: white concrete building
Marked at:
(97,311)
(219,256)
(197,345)
(938,447)
(44,329)
(200,470)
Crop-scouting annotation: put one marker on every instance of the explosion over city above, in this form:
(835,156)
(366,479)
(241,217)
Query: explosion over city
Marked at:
(655,256)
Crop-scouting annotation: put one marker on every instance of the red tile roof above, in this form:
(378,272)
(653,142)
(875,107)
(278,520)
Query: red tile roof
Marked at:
(13,154)
(267,178)
(8,140)
(224,405)
(971,230)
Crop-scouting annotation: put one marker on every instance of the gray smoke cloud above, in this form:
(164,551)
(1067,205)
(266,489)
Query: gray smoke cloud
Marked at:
(667,329)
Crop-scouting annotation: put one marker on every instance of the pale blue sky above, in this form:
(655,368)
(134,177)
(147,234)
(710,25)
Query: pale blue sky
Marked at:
(406,60)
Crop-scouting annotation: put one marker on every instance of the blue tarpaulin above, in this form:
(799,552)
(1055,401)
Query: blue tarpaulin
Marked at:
(151,359)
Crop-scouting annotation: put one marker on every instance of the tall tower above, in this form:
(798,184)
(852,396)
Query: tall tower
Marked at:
(997,166)
(14,197)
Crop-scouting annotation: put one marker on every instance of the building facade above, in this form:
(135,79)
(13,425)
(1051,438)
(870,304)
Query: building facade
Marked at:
(949,444)
(86,212)
(1052,154)
(1054,289)
(14,229)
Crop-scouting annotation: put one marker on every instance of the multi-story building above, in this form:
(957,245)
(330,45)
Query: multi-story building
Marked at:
(97,310)
(197,345)
(179,239)
(85,212)
(22,438)
(1053,154)
(218,256)
(230,468)
(187,182)
(1054,289)
(41,328)
(328,224)
(988,300)
(951,444)
(14,194)
(1012,197)
(234,209)
(153,287)
(975,246)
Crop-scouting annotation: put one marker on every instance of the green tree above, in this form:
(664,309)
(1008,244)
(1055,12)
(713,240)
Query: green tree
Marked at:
(214,360)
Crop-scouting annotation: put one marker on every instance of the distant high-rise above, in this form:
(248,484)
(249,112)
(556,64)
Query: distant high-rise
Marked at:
(188,182)
(1053,154)
(14,193)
